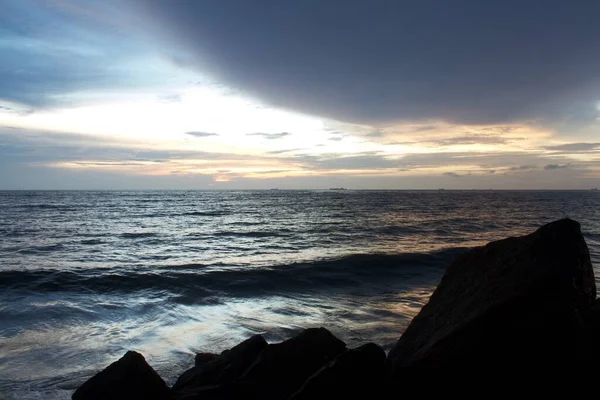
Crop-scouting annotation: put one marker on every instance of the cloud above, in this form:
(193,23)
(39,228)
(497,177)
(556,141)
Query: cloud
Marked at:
(364,161)
(170,98)
(424,128)
(36,159)
(25,146)
(202,134)
(117,163)
(375,134)
(575,147)
(270,136)
(550,167)
(52,50)
(376,62)
(469,139)
(286,151)
(522,168)
(452,174)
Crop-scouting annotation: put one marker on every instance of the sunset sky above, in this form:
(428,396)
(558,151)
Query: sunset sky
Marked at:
(245,94)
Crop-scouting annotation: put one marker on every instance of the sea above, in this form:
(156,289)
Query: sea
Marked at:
(87,275)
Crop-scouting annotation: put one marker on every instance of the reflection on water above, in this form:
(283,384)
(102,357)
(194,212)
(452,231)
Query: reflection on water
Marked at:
(170,334)
(110,229)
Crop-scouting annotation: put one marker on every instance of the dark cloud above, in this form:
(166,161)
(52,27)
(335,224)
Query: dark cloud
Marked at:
(452,174)
(424,128)
(574,147)
(270,136)
(512,161)
(522,168)
(335,135)
(374,62)
(202,134)
(549,167)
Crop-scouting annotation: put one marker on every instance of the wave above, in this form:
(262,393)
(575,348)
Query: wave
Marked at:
(138,235)
(200,281)
(90,242)
(206,213)
(33,250)
(255,234)
(162,214)
(59,207)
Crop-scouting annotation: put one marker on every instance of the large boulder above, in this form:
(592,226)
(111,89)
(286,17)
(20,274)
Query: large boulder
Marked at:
(203,358)
(593,331)
(128,378)
(231,364)
(354,374)
(282,368)
(229,391)
(503,309)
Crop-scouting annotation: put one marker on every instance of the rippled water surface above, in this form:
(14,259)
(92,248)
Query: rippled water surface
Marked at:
(85,276)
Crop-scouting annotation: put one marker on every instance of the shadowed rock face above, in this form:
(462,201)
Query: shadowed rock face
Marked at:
(255,370)
(203,358)
(224,368)
(513,304)
(129,378)
(354,374)
(282,368)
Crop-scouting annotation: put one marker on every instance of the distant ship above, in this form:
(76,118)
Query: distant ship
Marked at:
(594,189)
(340,188)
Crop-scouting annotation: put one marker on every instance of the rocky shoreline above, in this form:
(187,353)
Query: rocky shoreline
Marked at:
(501,311)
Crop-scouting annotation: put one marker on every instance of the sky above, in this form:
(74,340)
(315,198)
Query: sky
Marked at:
(299,94)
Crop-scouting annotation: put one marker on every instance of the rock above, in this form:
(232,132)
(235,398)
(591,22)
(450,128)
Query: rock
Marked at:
(228,391)
(203,358)
(282,368)
(511,306)
(211,369)
(128,378)
(354,374)
(593,332)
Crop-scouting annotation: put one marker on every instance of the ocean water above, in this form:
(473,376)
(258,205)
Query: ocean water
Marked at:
(86,276)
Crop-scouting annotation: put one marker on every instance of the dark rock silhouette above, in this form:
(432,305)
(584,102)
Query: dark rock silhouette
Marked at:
(282,368)
(593,332)
(510,306)
(129,378)
(224,368)
(229,391)
(354,374)
(202,358)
